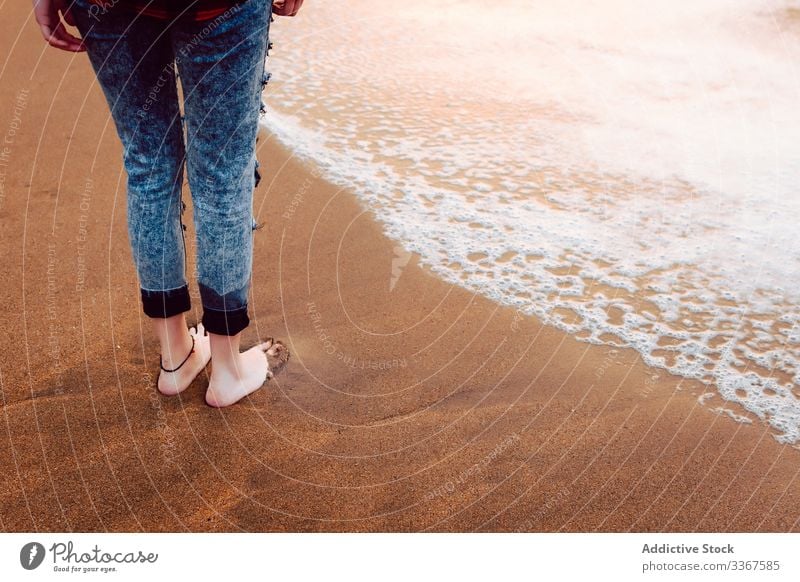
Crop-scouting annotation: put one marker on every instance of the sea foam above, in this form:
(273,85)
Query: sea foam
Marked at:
(625,171)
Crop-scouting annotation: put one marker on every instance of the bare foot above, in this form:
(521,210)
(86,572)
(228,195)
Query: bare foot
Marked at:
(172,383)
(228,385)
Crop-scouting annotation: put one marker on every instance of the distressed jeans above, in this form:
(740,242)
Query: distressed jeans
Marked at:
(221,67)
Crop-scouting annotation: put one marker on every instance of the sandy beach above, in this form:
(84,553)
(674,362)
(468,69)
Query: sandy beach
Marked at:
(409,404)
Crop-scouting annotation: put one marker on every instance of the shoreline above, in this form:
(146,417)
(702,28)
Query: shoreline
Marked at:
(494,422)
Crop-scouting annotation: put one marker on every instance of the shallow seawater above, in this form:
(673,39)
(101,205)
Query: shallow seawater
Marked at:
(626,171)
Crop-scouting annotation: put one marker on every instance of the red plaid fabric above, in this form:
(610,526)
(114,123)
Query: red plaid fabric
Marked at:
(169,9)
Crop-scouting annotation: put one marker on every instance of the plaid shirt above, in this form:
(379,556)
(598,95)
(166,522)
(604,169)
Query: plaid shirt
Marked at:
(170,9)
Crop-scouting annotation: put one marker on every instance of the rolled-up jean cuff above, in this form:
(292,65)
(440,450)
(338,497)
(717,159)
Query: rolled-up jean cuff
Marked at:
(225,322)
(165,304)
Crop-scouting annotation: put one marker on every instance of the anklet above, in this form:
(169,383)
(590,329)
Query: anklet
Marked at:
(186,359)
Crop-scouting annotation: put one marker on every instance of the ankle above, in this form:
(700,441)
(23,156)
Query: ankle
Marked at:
(225,353)
(232,367)
(176,349)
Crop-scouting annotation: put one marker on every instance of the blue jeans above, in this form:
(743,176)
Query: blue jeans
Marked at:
(220,63)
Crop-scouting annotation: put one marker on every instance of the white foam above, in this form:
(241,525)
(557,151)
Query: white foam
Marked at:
(636,161)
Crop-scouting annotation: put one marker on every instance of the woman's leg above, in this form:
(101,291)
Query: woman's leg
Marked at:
(134,64)
(221,67)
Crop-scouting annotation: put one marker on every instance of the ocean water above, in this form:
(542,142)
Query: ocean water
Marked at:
(626,171)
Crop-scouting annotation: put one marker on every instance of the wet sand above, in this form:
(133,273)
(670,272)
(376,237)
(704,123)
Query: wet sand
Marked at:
(411,407)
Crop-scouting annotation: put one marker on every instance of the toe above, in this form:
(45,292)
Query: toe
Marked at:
(277,349)
(266,344)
